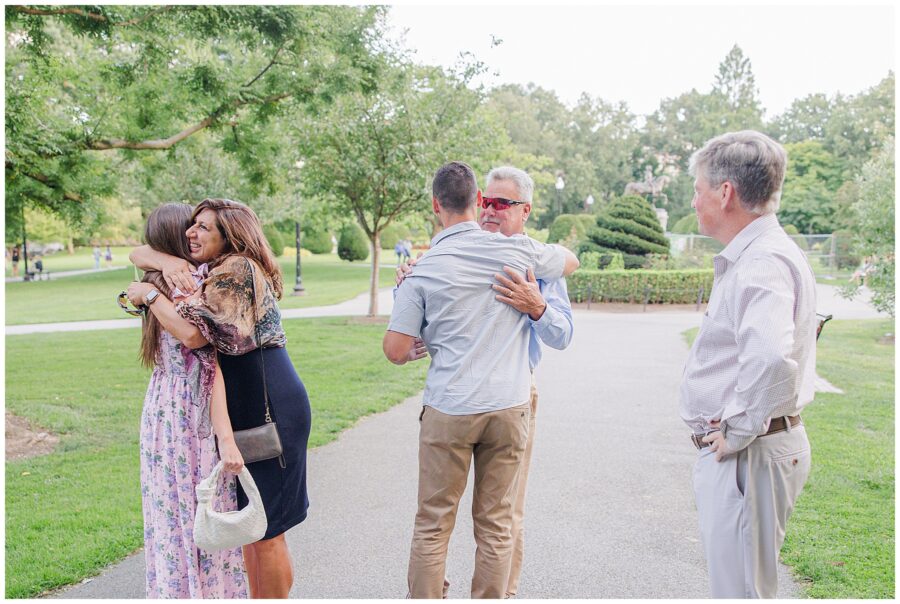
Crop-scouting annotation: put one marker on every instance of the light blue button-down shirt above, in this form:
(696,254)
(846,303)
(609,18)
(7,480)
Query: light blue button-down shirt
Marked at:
(555,326)
(479,347)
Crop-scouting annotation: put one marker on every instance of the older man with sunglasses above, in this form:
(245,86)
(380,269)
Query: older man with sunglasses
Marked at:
(505,208)
(476,406)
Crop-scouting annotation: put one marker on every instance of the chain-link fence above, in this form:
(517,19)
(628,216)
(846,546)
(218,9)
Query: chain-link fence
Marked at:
(828,254)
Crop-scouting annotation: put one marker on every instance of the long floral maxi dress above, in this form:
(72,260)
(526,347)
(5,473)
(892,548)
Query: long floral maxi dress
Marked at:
(177,452)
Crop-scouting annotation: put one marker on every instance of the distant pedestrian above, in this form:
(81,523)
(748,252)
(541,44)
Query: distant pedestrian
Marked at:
(398,249)
(407,249)
(96,255)
(39,265)
(108,256)
(16,255)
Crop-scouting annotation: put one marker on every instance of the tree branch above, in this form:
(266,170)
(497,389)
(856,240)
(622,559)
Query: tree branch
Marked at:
(265,69)
(167,143)
(45,180)
(25,10)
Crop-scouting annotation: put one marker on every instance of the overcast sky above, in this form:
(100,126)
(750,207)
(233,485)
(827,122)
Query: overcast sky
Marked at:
(642,54)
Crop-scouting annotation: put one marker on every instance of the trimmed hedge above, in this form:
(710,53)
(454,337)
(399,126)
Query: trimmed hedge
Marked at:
(391,234)
(631,227)
(636,209)
(687,225)
(624,242)
(563,224)
(317,242)
(665,287)
(606,255)
(273,237)
(353,243)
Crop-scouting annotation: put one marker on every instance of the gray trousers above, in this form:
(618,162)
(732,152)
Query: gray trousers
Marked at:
(744,502)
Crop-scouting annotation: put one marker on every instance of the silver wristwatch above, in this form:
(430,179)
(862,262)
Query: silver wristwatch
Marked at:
(151,296)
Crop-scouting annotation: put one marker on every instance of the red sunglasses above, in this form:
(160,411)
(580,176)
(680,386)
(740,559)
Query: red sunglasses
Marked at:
(500,203)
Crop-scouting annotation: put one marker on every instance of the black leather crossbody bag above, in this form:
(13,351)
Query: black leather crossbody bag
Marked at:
(262,442)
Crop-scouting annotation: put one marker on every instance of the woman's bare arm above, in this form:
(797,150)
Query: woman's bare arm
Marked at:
(164,310)
(176,271)
(218,414)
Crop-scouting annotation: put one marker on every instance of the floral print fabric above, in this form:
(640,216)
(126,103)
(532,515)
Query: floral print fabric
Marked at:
(227,313)
(174,458)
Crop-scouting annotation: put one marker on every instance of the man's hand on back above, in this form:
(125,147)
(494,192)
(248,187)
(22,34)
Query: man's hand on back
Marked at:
(417,350)
(522,294)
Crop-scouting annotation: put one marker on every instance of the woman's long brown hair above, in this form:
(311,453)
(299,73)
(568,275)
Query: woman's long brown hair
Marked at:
(165,232)
(243,235)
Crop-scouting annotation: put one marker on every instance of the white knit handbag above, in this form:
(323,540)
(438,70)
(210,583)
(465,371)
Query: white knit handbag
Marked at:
(225,530)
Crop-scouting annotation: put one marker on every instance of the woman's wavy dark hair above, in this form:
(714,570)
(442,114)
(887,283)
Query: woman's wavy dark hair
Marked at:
(164,232)
(243,234)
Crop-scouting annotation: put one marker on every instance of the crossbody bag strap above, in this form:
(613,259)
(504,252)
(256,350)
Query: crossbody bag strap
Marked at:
(262,360)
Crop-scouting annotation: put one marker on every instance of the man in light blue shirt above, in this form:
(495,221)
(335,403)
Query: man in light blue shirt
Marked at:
(476,400)
(546,302)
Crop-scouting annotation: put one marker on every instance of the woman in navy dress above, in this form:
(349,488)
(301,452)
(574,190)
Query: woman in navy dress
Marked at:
(236,310)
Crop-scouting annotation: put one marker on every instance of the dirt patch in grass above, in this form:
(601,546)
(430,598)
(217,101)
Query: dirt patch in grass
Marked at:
(24,439)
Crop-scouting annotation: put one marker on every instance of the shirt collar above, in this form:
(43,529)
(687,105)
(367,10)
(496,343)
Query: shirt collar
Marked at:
(462,227)
(747,235)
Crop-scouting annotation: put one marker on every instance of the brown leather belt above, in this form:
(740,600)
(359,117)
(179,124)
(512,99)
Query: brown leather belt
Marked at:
(777,424)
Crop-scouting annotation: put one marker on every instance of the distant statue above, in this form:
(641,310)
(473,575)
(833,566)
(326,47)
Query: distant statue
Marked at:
(649,186)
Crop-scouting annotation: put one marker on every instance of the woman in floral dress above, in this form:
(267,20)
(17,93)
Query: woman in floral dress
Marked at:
(184,405)
(236,310)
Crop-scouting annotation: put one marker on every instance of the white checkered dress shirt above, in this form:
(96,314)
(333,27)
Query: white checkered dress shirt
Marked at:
(755,355)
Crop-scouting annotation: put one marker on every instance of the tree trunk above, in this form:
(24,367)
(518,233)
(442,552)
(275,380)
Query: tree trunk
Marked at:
(373,285)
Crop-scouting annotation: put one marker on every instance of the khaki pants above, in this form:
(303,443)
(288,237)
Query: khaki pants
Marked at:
(744,503)
(518,528)
(447,444)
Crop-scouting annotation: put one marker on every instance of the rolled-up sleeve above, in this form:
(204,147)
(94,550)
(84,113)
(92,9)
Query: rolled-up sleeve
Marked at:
(767,375)
(409,309)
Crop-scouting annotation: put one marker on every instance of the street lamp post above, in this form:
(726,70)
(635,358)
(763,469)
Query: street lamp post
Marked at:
(560,185)
(299,290)
(298,285)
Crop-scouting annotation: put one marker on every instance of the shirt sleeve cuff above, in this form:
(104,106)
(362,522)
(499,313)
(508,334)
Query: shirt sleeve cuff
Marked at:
(544,320)
(737,442)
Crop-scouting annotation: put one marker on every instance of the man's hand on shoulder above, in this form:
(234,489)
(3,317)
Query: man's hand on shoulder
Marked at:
(522,293)
(404,270)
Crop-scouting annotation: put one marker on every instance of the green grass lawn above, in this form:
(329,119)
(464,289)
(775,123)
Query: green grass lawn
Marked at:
(327,280)
(70,513)
(840,539)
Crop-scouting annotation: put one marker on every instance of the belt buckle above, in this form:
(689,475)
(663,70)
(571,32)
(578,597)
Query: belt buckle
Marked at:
(697,439)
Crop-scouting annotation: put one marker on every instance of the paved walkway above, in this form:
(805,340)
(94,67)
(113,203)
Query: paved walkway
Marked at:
(610,509)
(59,274)
(357,306)
(829,302)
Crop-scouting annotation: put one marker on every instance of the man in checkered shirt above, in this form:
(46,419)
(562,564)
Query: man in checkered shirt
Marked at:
(751,368)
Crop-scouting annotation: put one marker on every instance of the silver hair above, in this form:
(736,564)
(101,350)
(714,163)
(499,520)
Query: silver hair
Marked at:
(520,178)
(749,160)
